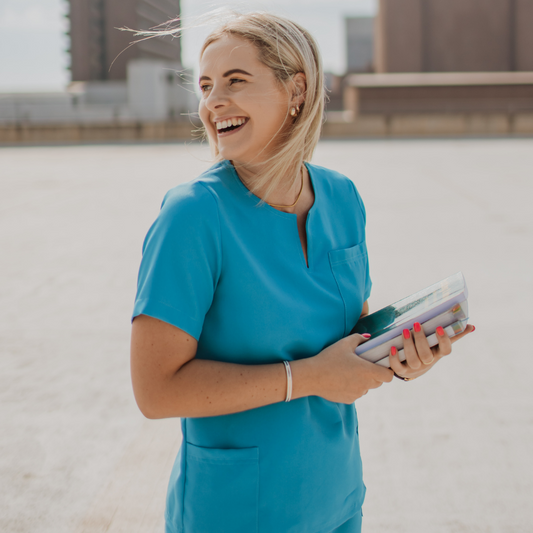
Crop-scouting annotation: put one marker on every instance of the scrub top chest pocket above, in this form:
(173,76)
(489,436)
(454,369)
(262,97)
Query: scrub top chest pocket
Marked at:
(350,270)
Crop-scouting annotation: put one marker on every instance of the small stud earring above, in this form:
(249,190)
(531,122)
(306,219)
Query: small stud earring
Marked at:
(293,112)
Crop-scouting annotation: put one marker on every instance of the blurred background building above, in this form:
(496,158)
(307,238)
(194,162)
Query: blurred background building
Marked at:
(359,44)
(454,36)
(100,52)
(114,84)
(445,67)
(419,67)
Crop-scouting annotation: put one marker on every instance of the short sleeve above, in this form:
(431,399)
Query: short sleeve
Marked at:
(181,260)
(368,280)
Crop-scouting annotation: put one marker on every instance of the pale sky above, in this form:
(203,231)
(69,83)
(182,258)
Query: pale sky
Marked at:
(33,41)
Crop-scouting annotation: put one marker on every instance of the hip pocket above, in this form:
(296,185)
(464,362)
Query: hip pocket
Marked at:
(350,270)
(221,490)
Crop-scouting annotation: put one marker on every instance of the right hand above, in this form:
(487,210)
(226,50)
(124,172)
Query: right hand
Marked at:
(343,376)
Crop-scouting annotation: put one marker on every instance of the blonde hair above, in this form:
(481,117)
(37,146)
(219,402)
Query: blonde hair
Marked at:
(287,49)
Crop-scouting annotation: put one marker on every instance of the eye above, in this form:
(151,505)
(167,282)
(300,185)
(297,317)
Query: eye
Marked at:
(235,80)
(204,88)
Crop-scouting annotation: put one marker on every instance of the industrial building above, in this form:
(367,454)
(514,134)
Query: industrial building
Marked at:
(99,51)
(359,44)
(454,36)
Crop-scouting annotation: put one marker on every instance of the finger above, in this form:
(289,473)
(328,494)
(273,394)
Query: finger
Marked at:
(468,329)
(396,365)
(379,373)
(356,339)
(422,346)
(411,356)
(374,384)
(445,344)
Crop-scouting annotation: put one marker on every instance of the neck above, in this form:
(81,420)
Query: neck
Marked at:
(279,197)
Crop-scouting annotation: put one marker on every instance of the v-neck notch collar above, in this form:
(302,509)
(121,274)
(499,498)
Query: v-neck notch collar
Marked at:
(254,200)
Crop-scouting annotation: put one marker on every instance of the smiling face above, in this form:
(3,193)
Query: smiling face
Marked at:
(243,106)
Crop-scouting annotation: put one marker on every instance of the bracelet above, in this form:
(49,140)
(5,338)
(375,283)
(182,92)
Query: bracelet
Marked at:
(402,378)
(289,381)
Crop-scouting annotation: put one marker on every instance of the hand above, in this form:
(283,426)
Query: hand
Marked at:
(342,376)
(419,357)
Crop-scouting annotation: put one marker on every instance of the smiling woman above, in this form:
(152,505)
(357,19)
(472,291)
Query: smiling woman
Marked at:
(244,306)
(271,79)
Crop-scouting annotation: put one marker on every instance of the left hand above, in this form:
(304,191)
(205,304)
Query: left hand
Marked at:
(419,356)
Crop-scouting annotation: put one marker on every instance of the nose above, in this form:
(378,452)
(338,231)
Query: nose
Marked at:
(216,98)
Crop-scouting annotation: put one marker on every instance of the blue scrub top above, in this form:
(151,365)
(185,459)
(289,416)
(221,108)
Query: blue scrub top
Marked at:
(233,275)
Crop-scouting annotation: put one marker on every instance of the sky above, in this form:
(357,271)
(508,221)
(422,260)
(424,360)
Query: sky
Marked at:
(33,43)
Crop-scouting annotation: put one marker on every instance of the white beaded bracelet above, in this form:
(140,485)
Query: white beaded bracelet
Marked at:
(289,381)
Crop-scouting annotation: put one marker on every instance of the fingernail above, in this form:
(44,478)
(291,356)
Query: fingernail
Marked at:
(406,334)
(393,350)
(473,329)
(440,331)
(366,335)
(417,327)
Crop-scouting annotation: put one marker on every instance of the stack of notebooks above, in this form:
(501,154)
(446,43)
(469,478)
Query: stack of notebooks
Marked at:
(443,304)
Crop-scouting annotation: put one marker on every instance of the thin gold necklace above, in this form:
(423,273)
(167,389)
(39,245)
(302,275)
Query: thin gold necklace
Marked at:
(300,194)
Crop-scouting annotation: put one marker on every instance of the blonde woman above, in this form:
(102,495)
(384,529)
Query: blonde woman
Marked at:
(252,276)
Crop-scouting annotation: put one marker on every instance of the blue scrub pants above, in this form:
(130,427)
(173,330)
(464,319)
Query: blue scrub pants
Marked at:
(353,525)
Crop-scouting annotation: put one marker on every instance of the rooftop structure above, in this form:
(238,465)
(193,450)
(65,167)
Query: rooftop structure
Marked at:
(99,51)
(359,44)
(454,36)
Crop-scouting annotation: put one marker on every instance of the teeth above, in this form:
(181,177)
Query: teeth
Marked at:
(230,122)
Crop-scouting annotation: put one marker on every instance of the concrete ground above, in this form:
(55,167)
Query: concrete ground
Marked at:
(448,453)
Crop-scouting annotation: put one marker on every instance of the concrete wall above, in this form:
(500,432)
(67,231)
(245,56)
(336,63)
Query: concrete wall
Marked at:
(524,35)
(85,40)
(399,36)
(454,35)
(118,53)
(468,35)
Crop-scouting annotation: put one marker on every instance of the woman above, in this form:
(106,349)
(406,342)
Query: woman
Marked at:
(245,302)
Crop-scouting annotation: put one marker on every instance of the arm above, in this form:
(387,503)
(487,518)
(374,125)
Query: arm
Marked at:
(169,382)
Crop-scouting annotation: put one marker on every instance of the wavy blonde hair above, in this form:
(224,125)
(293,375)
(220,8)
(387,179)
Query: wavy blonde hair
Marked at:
(287,49)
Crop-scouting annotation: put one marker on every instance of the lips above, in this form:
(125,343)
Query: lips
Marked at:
(231,125)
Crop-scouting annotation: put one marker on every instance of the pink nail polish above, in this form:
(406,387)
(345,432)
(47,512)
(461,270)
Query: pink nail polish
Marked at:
(417,327)
(406,334)
(440,331)
(393,351)
(366,335)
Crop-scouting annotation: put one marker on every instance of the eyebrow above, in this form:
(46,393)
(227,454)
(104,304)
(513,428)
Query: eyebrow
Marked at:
(228,73)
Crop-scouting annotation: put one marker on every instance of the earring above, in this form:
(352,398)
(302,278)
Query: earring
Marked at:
(295,111)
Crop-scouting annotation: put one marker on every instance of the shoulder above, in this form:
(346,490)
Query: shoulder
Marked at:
(189,211)
(337,187)
(194,197)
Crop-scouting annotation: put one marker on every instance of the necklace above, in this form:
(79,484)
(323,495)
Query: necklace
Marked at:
(300,194)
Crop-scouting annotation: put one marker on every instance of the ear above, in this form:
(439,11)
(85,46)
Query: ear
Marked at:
(299,89)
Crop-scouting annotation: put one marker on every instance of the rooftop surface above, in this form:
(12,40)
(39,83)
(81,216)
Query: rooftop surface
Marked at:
(448,453)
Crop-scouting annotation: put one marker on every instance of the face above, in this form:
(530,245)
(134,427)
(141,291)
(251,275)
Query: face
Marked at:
(243,107)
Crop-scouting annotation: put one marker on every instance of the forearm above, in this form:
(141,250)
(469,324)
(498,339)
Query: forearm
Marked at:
(204,388)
